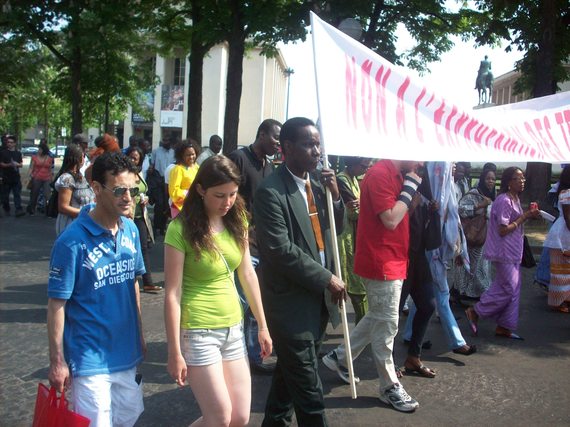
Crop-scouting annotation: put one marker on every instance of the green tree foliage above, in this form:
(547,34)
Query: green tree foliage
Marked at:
(27,94)
(541,29)
(186,26)
(97,44)
(197,25)
(429,22)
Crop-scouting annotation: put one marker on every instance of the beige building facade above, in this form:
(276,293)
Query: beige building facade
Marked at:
(503,88)
(264,95)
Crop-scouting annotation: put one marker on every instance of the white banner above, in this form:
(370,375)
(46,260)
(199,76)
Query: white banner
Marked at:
(369,107)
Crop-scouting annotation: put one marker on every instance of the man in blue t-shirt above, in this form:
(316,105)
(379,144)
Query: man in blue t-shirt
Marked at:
(94,321)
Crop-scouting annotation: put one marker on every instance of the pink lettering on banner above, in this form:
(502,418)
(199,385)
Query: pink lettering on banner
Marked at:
(381,78)
(366,94)
(479,132)
(437,119)
(489,137)
(400,110)
(549,145)
(451,137)
(547,129)
(563,117)
(419,132)
(498,142)
(467,132)
(460,122)
(519,138)
(350,84)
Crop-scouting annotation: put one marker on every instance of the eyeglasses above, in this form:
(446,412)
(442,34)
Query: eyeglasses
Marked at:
(120,191)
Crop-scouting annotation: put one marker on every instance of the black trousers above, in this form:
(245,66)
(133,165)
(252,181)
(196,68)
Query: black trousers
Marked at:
(296,385)
(418,286)
(143,235)
(161,209)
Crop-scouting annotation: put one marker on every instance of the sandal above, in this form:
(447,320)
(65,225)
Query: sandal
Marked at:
(563,308)
(505,333)
(472,318)
(422,371)
(465,350)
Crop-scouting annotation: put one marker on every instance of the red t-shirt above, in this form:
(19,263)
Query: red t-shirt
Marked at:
(381,254)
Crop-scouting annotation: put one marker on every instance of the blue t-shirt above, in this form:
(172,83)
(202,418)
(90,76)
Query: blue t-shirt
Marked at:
(95,272)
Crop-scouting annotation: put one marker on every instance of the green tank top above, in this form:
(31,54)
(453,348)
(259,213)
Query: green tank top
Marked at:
(209,296)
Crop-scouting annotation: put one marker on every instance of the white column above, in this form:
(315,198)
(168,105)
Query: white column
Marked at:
(186,100)
(160,73)
(128,126)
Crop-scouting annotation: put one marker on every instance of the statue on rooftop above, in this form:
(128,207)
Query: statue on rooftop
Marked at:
(484,82)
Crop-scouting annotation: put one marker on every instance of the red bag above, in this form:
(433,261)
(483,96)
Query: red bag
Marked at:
(52,411)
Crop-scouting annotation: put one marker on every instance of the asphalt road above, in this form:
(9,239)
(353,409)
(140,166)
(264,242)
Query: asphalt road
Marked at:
(506,383)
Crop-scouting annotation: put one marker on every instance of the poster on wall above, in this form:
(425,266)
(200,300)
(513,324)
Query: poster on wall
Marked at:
(172,106)
(144,108)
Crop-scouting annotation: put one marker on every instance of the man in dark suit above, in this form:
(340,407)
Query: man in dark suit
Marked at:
(296,254)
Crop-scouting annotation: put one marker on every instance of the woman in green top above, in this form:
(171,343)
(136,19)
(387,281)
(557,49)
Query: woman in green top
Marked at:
(141,219)
(204,245)
(350,192)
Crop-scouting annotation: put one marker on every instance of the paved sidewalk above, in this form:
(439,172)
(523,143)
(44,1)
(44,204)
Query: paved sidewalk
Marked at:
(506,383)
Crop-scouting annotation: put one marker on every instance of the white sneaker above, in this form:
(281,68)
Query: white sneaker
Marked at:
(330,360)
(399,399)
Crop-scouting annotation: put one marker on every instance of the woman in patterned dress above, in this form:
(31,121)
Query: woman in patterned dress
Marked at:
(504,248)
(476,202)
(558,240)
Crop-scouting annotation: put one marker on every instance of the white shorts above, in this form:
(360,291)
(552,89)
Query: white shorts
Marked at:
(202,347)
(108,400)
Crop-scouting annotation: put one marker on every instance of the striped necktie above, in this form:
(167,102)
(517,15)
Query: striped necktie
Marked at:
(314,218)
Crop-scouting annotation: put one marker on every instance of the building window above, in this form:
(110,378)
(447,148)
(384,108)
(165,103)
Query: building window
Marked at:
(179,71)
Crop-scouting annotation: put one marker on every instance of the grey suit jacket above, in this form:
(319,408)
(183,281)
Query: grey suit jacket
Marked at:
(293,278)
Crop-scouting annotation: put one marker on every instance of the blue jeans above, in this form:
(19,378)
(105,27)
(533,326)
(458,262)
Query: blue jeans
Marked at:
(249,322)
(441,291)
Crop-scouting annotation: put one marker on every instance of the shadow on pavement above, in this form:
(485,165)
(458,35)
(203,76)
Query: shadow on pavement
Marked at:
(26,294)
(24,315)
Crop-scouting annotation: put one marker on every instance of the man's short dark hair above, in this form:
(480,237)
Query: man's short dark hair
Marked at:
(290,129)
(114,162)
(266,126)
(215,138)
(79,138)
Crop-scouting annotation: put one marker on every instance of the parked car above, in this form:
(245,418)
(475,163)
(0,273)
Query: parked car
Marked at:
(30,151)
(58,150)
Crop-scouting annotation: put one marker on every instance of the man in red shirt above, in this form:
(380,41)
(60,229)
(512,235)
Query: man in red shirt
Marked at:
(382,259)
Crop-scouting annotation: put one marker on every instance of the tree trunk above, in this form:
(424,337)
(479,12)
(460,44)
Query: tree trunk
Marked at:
(106,124)
(195,81)
(46,124)
(537,183)
(538,175)
(236,44)
(76,101)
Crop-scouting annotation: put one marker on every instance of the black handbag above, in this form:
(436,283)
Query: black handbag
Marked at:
(51,208)
(527,260)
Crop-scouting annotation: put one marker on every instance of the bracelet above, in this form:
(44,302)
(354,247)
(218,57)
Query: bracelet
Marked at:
(262,329)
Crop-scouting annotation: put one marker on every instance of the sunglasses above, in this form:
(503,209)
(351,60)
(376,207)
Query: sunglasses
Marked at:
(120,191)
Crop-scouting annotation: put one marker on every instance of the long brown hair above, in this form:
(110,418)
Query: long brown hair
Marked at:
(216,170)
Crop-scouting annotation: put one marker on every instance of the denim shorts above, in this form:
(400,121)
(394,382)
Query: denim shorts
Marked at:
(202,347)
